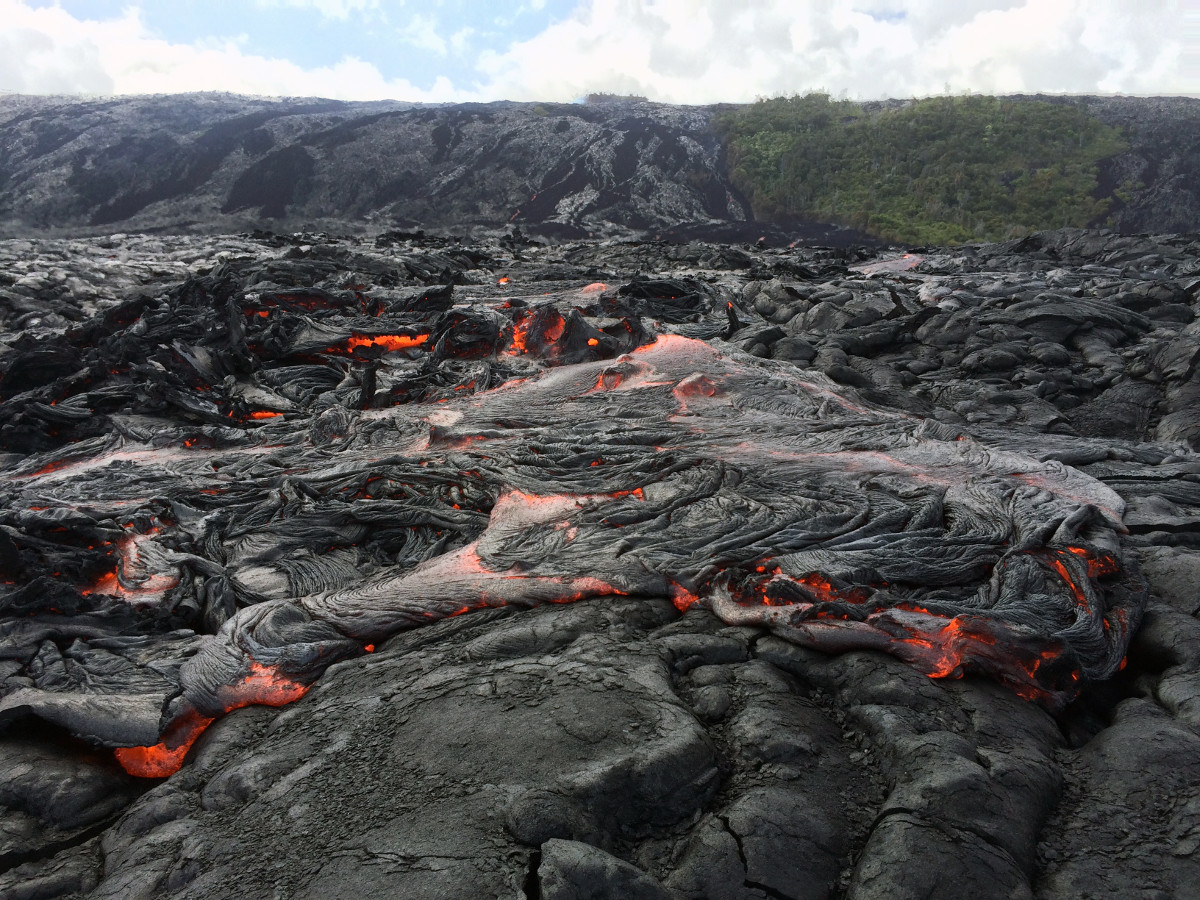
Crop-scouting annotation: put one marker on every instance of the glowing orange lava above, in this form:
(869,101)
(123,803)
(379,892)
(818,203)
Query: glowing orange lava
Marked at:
(681,597)
(389,342)
(946,646)
(608,380)
(131,570)
(262,686)
(1097,565)
(520,327)
(816,584)
(550,332)
(695,386)
(1080,597)
(166,757)
(51,467)
(617,495)
(820,587)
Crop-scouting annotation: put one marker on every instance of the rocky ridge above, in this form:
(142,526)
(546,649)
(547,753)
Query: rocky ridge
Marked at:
(217,162)
(213,163)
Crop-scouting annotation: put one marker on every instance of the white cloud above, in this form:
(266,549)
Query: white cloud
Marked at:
(699,52)
(330,9)
(32,62)
(49,51)
(422,31)
(684,51)
(461,39)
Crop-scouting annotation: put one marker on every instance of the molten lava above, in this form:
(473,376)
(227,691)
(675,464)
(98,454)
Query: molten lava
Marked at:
(386,342)
(143,573)
(764,494)
(681,597)
(260,686)
(166,757)
(1098,566)
(520,327)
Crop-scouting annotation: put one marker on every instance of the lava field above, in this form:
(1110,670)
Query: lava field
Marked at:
(428,566)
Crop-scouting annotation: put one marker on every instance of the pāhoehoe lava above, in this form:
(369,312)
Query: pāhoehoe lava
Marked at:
(604,460)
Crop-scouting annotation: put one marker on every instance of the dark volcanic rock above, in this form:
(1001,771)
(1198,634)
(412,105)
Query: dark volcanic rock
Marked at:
(236,470)
(230,162)
(214,162)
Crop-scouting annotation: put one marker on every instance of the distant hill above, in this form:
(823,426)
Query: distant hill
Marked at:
(953,169)
(938,170)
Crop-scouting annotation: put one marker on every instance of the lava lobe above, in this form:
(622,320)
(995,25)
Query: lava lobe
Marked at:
(381,472)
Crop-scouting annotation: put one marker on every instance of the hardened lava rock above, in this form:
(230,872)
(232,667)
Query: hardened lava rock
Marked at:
(846,559)
(773,496)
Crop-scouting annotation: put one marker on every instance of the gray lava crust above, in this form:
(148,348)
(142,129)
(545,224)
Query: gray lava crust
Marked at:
(214,499)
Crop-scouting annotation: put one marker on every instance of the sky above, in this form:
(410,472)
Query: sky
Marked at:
(677,51)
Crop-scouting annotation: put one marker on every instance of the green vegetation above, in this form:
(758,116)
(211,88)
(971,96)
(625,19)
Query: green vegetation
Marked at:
(936,171)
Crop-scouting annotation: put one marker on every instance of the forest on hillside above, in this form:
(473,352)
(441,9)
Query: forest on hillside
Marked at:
(934,171)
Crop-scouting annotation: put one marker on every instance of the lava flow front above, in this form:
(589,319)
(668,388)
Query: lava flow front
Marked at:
(592,467)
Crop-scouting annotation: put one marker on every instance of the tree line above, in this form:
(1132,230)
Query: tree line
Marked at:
(935,171)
